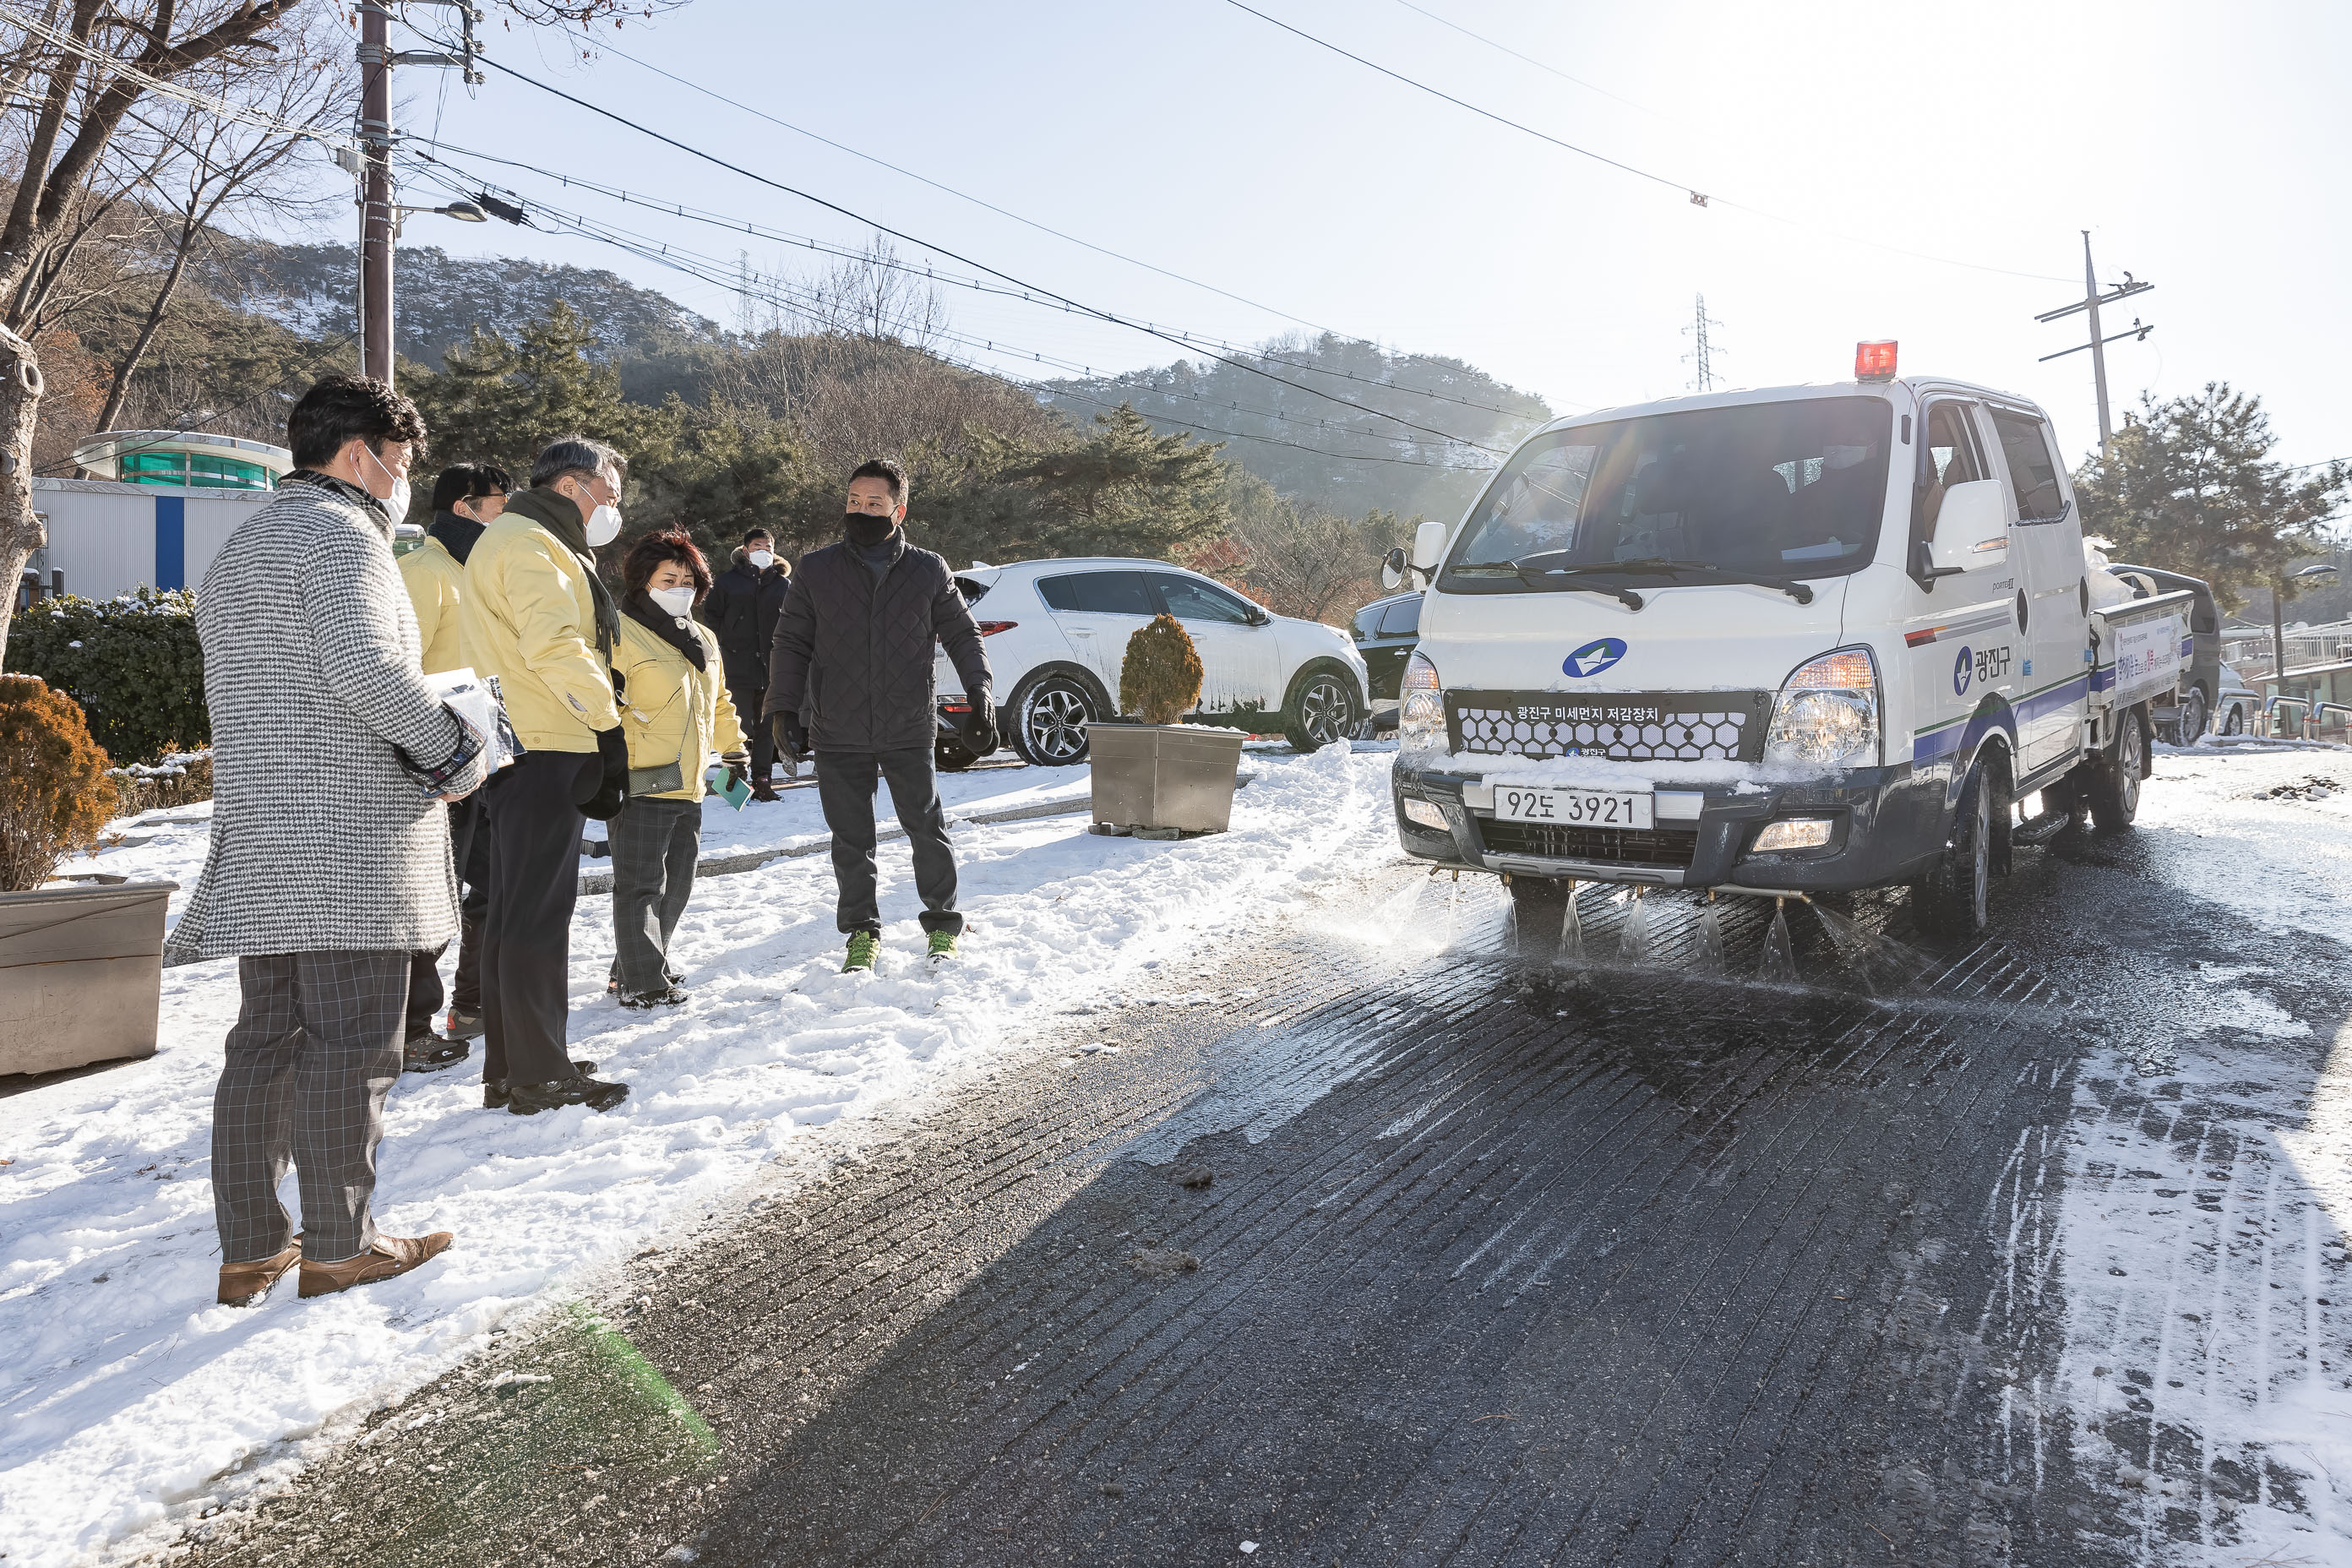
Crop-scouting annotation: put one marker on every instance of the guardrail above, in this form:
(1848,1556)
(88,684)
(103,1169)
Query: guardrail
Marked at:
(2274,721)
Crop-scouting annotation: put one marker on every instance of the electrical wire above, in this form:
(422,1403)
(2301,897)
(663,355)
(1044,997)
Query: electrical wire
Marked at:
(1529,59)
(714,270)
(58,38)
(737,225)
(1131,323)
(1698,197)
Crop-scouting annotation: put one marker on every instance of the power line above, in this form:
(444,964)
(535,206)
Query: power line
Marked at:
(712,270)
(742,225)
(603,48)
(1097,312)
(1529,59)
(1697,196)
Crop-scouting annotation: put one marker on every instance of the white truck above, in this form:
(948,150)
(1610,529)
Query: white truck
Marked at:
(1798,641)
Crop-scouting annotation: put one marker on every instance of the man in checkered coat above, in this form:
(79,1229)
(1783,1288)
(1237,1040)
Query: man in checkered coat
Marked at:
(330,856)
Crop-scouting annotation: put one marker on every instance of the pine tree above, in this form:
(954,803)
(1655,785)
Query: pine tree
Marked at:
(2190,488)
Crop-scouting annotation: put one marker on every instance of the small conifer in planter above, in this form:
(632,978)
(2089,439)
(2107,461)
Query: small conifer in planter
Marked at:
(1160,777)
(1159,679)
(55,796)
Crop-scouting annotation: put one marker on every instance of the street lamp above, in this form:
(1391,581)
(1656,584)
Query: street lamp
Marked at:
(462,209)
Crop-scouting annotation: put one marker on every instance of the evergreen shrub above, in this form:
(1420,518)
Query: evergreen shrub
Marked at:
(1159,679)
(133,662)
(55,796)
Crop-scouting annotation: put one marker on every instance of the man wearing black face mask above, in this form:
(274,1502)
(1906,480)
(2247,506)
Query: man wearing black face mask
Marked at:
(850,675)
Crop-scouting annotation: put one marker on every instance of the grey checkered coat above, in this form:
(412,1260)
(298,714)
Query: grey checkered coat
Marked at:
(320,840)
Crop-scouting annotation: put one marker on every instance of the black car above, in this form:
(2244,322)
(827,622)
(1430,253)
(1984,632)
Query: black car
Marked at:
(1386,632)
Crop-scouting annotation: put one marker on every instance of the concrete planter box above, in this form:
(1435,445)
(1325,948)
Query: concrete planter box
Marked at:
(1173,776)
(81,974)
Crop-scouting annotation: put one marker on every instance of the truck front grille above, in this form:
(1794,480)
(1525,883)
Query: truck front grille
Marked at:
(1620,845)
(1639,727)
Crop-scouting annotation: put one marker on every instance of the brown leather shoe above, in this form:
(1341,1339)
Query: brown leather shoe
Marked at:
(243,1284)
(391,1255)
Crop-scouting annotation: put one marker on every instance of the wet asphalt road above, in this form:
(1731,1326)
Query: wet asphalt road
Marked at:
(1418,1255)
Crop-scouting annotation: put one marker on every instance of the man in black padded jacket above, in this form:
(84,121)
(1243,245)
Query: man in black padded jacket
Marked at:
(850,678)
(741,608)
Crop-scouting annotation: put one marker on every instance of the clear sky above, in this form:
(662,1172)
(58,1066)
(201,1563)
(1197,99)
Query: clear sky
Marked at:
(2203,146)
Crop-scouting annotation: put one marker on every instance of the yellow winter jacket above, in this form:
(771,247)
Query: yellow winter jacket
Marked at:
(435,582)
(674,712)
(528,617)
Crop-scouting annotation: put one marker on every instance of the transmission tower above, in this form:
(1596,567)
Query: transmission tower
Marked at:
(1701,357)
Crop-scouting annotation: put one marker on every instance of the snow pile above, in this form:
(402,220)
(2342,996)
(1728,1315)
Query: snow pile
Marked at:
(126,1395)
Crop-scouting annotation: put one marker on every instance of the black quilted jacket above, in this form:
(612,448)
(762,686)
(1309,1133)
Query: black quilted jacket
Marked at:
(741,608)
(853,652)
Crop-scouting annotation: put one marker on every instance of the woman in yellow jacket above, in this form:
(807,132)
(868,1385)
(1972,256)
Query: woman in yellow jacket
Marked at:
(676,715)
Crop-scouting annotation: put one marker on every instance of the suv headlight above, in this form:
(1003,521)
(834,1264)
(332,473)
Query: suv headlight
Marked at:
(1420,716)
(1827,712)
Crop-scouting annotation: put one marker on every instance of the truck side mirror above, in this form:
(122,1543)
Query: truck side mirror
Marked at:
(1971,527)
(1392,566)
(1428,545)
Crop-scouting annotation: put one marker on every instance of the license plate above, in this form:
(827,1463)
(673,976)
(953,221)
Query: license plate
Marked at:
(1574,807)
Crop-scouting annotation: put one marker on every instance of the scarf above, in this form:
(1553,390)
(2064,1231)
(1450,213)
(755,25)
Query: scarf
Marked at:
(456,533)
(667,627)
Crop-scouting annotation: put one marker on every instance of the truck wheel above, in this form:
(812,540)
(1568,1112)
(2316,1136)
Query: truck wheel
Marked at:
(2233,722)
(1952,899)
(2192,722)
(2113,781)
(1539,905)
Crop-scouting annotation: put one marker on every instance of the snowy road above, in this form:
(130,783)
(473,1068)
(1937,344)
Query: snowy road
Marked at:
(1362,1246)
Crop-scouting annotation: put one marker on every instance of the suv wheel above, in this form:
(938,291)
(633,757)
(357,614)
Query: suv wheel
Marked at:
(1050,714)
(1324,708)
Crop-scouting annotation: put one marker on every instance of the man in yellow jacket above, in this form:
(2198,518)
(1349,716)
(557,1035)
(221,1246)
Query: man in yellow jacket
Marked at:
(535,616)
(467,497)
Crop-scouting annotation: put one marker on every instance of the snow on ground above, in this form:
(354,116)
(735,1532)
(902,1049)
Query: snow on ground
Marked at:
(126,1395)
(2207,1194)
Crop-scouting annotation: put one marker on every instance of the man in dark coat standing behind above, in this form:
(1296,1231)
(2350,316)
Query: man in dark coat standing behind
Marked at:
(741,608)
(850,675)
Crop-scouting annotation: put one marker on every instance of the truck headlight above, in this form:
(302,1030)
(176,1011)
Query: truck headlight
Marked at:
(1827,712)
(1425,814)
(1420,715)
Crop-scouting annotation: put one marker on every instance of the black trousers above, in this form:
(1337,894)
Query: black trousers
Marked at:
(844,788)
(314,1050)
(470,843)
(654,846)
(534,826)
(747,700)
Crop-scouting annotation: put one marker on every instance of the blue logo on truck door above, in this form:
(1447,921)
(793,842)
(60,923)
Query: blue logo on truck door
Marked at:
(1594,656)
(1963,669)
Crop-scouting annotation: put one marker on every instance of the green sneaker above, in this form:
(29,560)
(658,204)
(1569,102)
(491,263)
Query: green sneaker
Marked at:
(863,945)
(943,946)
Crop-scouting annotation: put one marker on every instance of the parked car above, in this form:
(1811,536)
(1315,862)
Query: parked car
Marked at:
(2237,710)
(1057,632)
(1386,632)
(2183,717)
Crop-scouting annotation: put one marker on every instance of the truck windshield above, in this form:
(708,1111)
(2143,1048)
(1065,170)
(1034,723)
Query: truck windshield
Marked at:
(1771,490)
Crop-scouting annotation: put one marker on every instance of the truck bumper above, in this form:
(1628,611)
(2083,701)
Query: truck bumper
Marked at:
(1887,826)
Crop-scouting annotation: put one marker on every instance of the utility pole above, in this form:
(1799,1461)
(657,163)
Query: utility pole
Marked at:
(2090,302)
(1701,355)
(379,213)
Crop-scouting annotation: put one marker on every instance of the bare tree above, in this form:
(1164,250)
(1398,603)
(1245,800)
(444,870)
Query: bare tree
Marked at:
(873,296)
(87,65)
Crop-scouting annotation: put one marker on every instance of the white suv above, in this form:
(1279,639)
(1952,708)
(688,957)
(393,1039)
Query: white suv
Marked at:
(1058,632)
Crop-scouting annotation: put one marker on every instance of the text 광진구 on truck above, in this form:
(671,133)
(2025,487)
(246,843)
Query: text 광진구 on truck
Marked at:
(1798,641)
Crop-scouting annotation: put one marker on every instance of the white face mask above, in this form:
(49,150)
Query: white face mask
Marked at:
(677,601)
(762,559)
(603,526)
(395,505)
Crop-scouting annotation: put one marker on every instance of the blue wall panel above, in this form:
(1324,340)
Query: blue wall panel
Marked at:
(171,541)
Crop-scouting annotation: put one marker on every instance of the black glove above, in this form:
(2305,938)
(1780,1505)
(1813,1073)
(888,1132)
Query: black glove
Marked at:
(979,727)
(613,779)
(791,735)
(739,770)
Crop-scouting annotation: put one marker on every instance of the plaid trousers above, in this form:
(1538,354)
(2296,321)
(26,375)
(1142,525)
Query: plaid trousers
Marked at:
(314,1050)
(654,842)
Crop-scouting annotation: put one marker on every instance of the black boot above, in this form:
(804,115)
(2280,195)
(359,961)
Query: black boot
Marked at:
(494,1093)
(531,1099)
